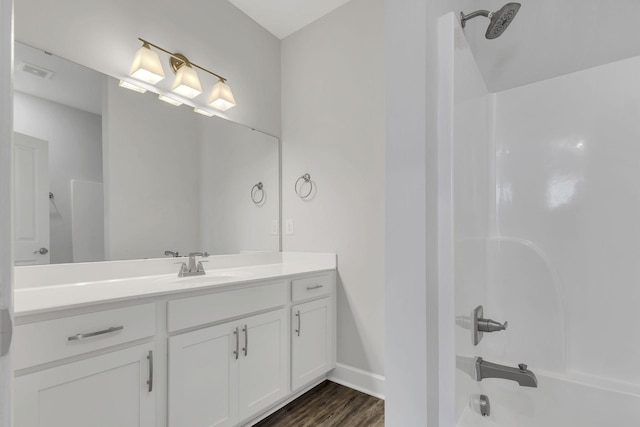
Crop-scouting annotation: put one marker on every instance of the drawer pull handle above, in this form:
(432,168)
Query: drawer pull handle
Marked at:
(237,352)
(310,288)
(110,330)
(246,340)
(298,316)
(150,380)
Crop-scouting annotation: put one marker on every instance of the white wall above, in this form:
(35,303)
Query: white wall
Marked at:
(567,164)
(333,128)
(406,358)
(414,273)
(232,160)
(212,33)
(75,152)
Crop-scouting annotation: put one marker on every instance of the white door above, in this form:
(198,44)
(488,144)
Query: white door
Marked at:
(263,373)
(203,377)
(31,200)
(103,391)
(311,342)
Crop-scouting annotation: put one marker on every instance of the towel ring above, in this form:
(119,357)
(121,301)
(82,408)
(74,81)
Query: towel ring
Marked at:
(254,191)
(307,179)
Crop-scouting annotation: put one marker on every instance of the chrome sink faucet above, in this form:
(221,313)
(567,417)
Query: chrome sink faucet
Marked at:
(193,269)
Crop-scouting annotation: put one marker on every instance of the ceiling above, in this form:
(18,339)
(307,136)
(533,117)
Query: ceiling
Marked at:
(284,17)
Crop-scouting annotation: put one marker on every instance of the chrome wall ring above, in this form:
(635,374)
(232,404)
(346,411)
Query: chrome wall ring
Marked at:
(306,178)
(255,190)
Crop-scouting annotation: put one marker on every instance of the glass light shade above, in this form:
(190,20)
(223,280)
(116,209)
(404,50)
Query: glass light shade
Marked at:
(204,112)
(131,86)
(187,83)
(169,100)
(146,66)
(221,96)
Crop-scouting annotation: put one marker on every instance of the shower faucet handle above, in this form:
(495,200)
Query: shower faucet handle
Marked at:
(481,325)
(489,325)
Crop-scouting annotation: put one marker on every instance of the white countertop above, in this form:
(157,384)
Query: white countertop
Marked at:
(39,299)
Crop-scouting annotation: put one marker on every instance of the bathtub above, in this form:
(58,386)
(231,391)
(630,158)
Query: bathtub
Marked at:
(557,402)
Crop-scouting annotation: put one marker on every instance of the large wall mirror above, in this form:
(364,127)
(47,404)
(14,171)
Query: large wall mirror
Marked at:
(104,173)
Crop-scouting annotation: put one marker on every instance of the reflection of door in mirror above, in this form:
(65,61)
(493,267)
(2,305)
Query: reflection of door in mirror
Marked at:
(60,102)
(31,200)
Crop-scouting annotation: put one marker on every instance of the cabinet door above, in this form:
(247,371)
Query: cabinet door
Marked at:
(203,377)
(311,341)
(263,374)
(103,391)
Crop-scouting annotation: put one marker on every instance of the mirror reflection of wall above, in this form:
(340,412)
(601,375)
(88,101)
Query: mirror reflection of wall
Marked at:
(132,177)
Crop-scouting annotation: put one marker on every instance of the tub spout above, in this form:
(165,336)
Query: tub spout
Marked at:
(521,374)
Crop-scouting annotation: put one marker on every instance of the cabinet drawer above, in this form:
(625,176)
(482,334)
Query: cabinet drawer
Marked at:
(41,342)
(194,311)
(311,287)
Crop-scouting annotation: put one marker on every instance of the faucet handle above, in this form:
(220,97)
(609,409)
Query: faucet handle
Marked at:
(489,325)
(183,269)
(522,367)
(200,267)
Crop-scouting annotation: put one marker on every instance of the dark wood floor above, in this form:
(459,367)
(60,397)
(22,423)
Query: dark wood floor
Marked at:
(329,405)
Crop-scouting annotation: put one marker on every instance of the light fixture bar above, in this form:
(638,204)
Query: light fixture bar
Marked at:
(173,55)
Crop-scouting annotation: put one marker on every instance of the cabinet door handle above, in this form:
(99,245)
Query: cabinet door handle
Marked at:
(79,337)
(246,340)
(298,316)
(150,380)
(310,288)
(237,352)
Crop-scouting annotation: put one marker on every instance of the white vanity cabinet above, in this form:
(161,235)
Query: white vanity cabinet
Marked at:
(203,377)
(226,373)
(312,330)
(220,356)
(102,389)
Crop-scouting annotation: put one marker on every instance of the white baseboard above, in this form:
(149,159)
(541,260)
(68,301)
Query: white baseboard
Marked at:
(284,402)
(357,379)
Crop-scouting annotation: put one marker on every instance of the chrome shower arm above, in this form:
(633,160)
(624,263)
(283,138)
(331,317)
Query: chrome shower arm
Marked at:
(464,18)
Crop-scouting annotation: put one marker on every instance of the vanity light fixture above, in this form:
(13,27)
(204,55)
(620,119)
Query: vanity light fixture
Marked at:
(131,86)
(187,82)
(204,112)
(169,100)
(146,66)
(221,96)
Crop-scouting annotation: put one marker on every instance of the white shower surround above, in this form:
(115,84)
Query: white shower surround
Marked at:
(543,202)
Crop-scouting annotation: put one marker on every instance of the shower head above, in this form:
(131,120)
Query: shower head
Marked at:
(500,19)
